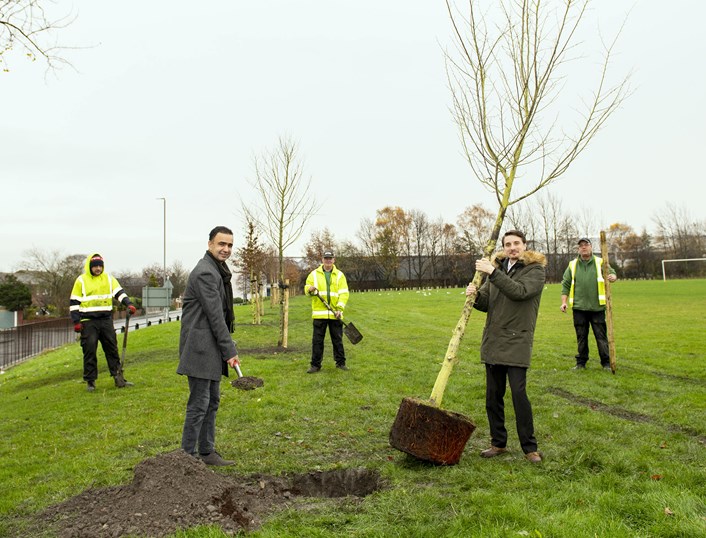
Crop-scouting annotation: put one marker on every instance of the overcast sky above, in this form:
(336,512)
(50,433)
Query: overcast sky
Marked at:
(173,99)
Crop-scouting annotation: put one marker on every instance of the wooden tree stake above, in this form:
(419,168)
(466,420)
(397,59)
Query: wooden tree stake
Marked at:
(608,302)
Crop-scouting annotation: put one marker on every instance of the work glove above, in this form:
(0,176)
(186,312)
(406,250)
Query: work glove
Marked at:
(132,309)
(78,327)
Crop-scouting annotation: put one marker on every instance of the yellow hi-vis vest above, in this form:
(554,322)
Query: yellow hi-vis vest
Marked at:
(599,279)
(337,293)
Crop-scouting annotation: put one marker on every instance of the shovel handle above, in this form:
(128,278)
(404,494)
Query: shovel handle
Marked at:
(329,307)
(237,369)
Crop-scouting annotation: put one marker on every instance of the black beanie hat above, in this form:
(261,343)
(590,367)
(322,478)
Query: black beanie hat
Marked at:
(96,260)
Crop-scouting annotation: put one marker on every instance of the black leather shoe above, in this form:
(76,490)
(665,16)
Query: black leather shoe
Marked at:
(215,459)
(313,369)
(342,367)
(90,386)
(579,367)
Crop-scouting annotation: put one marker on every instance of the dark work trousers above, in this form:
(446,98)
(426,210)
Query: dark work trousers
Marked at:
(335,329)
(582,319)
(94,331)
(200,422)
(495,383)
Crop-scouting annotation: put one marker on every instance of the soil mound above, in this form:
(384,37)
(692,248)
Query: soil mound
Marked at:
(248,382)
(176,491)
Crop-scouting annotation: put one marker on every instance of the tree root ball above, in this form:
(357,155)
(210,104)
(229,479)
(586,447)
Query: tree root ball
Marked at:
(429,433)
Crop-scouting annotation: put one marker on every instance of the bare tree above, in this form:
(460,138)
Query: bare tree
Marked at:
(545,221)
(53,276)
(178,276)
(419,228)
(251,261)
(27,27)
(287,206)
(678,234)
(504,78)
(586,224)
(391,233)
(474,226)
(319,241)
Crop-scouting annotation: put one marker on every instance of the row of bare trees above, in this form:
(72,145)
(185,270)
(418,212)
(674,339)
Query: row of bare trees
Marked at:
(407,248)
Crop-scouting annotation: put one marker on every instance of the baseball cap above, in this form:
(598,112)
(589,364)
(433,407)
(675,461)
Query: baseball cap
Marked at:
(328,254)
(584,239)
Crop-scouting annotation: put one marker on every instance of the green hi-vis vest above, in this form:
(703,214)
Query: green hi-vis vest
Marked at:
(599,279)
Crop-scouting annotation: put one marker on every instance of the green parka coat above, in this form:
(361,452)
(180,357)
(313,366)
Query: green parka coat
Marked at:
(512,303)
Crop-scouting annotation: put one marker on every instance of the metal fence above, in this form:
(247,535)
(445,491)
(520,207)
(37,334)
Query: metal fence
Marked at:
(20,343)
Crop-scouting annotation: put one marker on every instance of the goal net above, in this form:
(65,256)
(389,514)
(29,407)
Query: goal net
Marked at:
(684,268)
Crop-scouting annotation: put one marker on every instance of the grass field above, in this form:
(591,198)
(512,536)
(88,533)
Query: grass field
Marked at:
(625,454)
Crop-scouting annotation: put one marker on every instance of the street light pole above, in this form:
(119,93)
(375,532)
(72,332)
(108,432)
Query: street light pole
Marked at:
(164,275)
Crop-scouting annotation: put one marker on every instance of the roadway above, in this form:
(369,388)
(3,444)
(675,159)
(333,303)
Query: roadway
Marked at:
(140,322)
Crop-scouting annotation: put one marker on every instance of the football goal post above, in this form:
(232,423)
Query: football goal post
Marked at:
(664,274)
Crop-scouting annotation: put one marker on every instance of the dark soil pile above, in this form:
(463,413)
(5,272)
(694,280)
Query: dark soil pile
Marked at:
(247,382)
(174,490)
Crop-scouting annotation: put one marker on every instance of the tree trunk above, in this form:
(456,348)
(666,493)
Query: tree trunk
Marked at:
(284,315)
(451,357)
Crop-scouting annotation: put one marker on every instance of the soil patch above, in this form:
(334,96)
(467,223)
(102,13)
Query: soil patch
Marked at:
(176,491)
(247,382)
(626,414)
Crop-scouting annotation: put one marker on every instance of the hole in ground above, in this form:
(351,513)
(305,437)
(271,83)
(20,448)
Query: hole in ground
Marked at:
(339,483)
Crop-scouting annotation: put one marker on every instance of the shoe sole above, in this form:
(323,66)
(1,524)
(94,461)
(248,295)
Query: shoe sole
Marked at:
(492,455)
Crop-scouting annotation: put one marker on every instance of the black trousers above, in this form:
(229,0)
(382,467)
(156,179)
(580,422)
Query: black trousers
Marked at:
(335,329)
(596,320)
(496,377)
(94,331)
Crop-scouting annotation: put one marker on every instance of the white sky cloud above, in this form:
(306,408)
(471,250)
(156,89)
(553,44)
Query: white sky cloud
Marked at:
(172,101)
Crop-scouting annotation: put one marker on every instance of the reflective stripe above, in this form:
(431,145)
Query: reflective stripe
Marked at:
(96,308)
(101,297)
(74,307)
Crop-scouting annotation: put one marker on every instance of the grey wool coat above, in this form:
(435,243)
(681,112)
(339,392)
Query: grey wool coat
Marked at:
(512,303)
(205,342)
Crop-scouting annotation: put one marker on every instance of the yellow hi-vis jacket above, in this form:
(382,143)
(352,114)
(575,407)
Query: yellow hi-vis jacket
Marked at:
(599,279)
(92,296)
(336,295)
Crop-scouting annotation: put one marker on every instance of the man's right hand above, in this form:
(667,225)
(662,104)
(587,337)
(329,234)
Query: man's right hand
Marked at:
(313,290)
(78,327)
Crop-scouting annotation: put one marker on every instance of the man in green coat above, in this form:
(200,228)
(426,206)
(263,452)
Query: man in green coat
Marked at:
(583,288)
(510,295)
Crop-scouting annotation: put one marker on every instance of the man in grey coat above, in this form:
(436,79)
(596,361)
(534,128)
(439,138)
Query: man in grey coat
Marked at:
(510,296)
(206,348)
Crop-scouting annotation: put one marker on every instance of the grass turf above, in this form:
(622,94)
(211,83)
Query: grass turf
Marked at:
(624,454)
